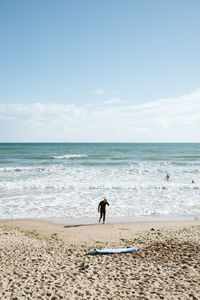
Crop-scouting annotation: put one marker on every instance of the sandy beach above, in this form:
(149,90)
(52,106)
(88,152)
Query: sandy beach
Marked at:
(42,260)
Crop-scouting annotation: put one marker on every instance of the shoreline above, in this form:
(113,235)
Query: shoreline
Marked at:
(88,234)
(122,219)
(116,219)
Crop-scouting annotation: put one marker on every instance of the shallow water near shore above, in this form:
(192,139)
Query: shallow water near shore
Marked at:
(124,219)
(68,180)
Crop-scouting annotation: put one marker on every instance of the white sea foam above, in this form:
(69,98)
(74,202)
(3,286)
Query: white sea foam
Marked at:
(60,180)
(67,156)
(57,191)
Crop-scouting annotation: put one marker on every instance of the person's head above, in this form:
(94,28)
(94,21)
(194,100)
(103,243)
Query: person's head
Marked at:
(105,200)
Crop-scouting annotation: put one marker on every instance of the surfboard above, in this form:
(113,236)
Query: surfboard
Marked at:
(113,251)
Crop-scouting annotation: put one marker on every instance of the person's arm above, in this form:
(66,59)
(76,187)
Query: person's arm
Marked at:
(107,203)
(99,206)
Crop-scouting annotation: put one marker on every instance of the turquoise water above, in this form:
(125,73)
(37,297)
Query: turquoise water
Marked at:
(56,180)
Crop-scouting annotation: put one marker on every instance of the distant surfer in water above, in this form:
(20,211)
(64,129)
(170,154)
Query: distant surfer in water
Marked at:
(167,177)
(102,209)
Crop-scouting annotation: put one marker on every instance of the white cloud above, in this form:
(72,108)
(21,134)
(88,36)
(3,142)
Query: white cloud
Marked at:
(113,101)
(164,120)
(98,92)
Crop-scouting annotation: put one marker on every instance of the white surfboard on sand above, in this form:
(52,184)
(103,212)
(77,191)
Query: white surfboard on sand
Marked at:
(112,251)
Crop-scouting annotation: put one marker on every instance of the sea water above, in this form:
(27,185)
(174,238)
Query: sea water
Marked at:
(55,180)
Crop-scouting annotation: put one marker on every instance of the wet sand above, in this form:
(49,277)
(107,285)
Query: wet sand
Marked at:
(42,260)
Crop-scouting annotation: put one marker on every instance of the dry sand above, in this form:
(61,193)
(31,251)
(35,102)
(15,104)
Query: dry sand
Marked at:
(41,260)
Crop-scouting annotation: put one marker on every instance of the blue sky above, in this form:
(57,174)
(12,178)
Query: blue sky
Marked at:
(92,55)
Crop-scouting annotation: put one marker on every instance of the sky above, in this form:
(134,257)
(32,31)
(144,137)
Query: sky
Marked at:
(99,71)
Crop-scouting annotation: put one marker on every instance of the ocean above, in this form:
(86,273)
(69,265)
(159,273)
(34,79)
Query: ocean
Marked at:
(64,180)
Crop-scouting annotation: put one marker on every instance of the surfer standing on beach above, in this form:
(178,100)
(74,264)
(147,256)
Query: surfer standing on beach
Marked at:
(102,209)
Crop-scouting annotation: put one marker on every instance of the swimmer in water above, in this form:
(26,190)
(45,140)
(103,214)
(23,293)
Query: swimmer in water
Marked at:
(167,177)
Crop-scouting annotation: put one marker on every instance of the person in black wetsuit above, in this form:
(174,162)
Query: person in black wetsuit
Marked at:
(102,209)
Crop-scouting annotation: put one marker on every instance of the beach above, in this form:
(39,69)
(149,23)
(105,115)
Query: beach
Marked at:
(48,221)
(100,150)
(43,260)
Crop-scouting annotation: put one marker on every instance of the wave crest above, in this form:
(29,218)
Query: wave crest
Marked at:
(67,156)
